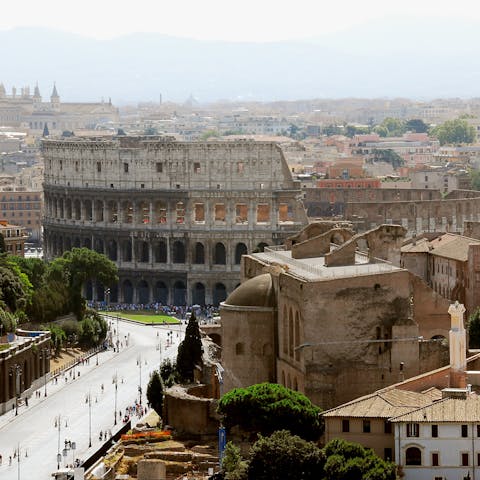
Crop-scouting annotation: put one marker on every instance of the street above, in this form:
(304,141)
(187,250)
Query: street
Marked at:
(40,430)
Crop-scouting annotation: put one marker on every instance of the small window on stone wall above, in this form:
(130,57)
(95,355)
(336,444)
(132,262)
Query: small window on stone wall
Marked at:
(199,213)
(159,167)
(241,213)
(284,213)
(125,167)
(196,167)
(219,212)
(239,349)
(263,213)
(180,212)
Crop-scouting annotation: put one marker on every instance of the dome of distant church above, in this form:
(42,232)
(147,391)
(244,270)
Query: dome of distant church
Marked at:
(255,292)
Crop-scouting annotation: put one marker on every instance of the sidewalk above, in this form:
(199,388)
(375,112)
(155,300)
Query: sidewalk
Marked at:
(58,382)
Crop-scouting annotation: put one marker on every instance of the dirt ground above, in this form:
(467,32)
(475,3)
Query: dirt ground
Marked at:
(65,357)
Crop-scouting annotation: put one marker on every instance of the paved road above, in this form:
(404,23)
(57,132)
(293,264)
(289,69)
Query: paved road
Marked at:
(33,431)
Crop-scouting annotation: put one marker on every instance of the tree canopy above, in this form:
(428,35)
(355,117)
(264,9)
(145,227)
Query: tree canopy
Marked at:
(155,392)
(473,328)
(387,156)
(283,456)
(267,407)
(190,351)
(454,132)
(78,265)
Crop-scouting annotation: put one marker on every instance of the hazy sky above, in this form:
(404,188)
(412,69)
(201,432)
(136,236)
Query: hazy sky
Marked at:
(245,20)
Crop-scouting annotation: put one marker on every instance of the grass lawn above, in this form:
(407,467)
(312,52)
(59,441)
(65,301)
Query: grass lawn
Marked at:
(146,317)
(4,346)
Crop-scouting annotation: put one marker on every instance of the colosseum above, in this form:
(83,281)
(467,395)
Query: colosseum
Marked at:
(176,217)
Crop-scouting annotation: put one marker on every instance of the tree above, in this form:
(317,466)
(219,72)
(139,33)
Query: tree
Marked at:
(388,156)
(267,407)
(350,461)
(155,392)
(34,268)
(475,179)
(168,372)
(455,131)
(394,126)
(416,125)
(78,265)
(12,292)
(473,328)
(232,464)
(190,351)
(284,456)
(93,329)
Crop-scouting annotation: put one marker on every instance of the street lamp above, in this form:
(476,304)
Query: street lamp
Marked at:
(16,371)
(159,348)
(118,341)
(45,355)
(58,424)
(89,398)
(115,381)
(139,363)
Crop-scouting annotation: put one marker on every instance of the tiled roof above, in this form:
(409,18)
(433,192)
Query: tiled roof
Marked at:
(419,246)
(452,246)
(385,404)
(447,410)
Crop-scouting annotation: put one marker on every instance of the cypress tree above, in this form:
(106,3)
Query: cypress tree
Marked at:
(155,392)
(190,351)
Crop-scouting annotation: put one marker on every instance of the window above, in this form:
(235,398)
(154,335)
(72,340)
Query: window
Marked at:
(196,167)
(387,427)
(412,429)
(435,462)
(478,430)
(239,349)
(413,456)
(241,213)
(434,431)
(478,459)
(345,425)
(465,460)
(464,431)
(387,454)
(200,213)
(366,426)
(240,167)
(219,212)
(263,213)
(159,167)
(125,167)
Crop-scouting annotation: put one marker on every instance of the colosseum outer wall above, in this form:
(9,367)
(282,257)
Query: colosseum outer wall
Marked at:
(176,217)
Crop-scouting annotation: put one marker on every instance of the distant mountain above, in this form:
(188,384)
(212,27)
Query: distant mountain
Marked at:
(395,57)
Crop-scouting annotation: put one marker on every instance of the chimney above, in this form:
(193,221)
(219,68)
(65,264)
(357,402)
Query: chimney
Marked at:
(458,347)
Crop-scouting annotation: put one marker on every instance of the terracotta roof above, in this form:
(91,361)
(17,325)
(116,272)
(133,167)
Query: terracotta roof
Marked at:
(447,410)
(385,404)
(420,246)
(452,246)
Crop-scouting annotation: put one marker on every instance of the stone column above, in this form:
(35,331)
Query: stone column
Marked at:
(458,346)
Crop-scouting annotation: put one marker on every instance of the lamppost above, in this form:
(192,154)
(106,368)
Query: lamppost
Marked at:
(45,355)
(107,298)
(139,363)
(159,348)
(58,420)
(118,340)
(89,398)
(115,381)
(16,371)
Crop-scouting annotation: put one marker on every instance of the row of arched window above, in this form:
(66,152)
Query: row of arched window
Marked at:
(146,251)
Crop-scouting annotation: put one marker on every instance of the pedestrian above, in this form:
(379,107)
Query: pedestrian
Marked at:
(1,459)
(10,460)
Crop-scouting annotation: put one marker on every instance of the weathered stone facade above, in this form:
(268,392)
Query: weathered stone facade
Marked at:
(416,210)
(176,217)
(330,331)
(23,367)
